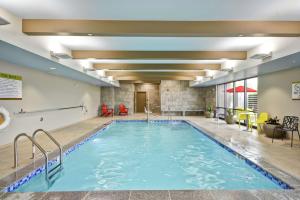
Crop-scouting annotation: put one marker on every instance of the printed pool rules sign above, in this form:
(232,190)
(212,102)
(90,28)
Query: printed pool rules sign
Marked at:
(296,90)
(10,87)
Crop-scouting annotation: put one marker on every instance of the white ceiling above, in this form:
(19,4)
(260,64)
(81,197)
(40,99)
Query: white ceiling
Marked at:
(180,10)
(156,9)
(161,43)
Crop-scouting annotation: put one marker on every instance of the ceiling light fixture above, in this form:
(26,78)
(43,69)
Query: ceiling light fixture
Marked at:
(52,68)
(90,34)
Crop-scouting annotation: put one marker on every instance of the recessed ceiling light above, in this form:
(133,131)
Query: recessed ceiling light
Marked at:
(52,68)
(90,34)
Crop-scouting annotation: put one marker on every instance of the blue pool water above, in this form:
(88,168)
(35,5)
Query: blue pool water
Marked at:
(138,155)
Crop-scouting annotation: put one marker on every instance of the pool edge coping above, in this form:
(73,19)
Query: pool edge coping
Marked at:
(73,145)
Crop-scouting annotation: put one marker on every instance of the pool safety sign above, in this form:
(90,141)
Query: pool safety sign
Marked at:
(296,90)
(10,87)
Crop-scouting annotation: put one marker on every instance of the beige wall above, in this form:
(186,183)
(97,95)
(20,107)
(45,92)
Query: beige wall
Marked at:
(43,91)
(275,93)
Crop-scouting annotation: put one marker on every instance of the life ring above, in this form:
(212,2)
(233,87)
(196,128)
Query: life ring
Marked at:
(4,118)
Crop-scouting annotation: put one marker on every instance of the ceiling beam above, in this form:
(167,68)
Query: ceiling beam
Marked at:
(156,66)
(173,55)
(157,82)
(144,76)
(161,28)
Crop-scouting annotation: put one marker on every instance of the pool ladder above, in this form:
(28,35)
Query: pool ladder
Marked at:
(49,174)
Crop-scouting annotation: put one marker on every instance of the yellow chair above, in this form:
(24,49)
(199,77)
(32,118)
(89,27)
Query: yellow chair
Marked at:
(240,116)
(263,117)
(252,119)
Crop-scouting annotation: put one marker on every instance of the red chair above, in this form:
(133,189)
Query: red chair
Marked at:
(105,111)
(123,110)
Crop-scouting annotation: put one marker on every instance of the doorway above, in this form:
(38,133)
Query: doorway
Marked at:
(140,101)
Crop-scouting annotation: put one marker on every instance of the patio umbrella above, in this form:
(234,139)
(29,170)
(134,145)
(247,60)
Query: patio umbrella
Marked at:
(240,89)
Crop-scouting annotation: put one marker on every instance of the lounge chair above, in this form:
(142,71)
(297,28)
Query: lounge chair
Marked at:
(105,111)
(123,110)
(290,123)
(262,118)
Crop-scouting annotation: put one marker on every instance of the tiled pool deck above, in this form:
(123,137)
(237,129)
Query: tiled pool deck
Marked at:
(259,149)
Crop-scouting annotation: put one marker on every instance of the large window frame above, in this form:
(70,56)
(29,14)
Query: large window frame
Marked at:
(225,108)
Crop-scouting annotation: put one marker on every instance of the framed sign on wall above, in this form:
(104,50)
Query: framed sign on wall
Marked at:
(296,90)
(10,87)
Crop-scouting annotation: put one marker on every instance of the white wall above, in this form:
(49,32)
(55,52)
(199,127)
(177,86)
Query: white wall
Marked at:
(43,91)
(275,93)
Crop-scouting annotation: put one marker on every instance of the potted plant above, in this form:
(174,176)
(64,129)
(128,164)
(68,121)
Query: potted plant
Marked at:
(269,126)
(229,116)
(209,112)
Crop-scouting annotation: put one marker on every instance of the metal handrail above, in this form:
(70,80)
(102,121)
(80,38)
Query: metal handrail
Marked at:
(52,139)
(50,109)
(36,144)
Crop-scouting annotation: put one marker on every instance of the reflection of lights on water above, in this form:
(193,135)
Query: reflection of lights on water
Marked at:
(96,140)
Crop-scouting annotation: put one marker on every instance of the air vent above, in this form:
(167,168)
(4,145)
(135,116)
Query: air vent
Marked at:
(90,69)
(261,56)
(3,22)
(60,55)
(226,69)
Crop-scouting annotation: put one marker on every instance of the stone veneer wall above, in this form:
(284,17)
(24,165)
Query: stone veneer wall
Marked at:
(107,96)
(177,95)
(125,94)
(153,92)
(210,96)
(114,96)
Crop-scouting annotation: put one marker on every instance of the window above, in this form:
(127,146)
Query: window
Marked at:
(229,95)
(220,96)
(221,99)
(239,95)
(252,94)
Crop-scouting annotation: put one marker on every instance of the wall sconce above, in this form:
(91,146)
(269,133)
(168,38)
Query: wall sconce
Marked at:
(110,78)
(101,73)
(199,78)
(209,74)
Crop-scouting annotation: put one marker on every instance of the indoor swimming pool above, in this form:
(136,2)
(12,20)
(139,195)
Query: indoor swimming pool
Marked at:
(160,155)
